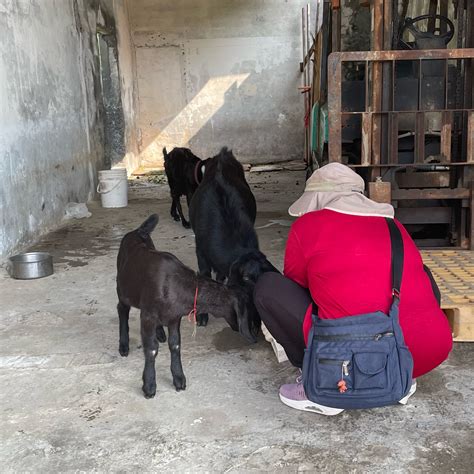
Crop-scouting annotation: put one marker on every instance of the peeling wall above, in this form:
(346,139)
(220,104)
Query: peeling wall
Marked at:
(355,26)
(219,72)
(127,67)
(50,132)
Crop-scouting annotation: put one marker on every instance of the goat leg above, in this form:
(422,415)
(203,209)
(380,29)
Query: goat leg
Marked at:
(123,313)
(181,215)
(203,264)
(204,270)
(150,351)
(174,344)
(173,212)
(202,319)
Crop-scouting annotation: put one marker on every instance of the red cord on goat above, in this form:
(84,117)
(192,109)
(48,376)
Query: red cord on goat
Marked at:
(193,313)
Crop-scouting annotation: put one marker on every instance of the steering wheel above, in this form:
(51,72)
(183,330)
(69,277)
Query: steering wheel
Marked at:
(427,39)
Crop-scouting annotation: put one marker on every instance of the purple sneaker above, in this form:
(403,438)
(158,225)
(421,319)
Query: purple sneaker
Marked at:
(293,395)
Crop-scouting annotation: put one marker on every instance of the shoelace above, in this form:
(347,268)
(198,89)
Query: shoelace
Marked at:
(301,391)
(299,379)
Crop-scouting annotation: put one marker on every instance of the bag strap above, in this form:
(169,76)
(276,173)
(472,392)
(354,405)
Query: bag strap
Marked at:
(396,242)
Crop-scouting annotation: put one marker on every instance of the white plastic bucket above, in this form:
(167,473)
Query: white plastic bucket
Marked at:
(113,187)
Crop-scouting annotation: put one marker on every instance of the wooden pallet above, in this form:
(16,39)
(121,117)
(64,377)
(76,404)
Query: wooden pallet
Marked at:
(461,320)
(453,270)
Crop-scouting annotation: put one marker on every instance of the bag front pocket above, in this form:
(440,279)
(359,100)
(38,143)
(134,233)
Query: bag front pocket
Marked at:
(370,370)
(331,370)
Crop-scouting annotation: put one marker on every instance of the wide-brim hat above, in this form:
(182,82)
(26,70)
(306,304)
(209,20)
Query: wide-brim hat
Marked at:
(328,188)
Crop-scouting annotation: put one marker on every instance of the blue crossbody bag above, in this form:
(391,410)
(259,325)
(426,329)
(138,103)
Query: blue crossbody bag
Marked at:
(360,361)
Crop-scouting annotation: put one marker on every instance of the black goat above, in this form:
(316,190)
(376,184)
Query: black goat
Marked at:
(222,215)
(164,289)
(184,171)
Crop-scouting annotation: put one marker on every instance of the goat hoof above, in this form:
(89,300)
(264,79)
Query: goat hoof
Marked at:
(149,392)
(123,350)
(179,383)
(186,225)
(176,218)
(202,319)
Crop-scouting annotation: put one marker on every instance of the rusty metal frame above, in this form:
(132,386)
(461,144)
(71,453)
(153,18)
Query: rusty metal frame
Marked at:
(379,125)
(371,131)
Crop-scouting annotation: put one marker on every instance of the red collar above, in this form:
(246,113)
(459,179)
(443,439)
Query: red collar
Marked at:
(193,313)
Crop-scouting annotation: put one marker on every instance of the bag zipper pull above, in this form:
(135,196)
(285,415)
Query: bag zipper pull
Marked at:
(342,386)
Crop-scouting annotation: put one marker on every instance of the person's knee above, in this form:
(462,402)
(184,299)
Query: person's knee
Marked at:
(265,288)
(430,355)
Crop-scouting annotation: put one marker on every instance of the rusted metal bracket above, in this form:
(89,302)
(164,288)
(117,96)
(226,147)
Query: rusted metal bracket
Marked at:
(374,109)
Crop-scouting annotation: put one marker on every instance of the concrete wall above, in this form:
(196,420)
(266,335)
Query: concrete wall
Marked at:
(50,132)
(219,72)
(202,74)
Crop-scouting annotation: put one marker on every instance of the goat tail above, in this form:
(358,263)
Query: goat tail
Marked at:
(165,153)
(148,226)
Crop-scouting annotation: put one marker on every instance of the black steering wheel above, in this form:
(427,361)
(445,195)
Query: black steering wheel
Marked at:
(427,39)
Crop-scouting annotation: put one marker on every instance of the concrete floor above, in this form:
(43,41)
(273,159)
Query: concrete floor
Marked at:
(69,402)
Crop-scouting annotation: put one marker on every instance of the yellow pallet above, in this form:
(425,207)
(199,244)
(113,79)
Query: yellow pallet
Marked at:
(453,270)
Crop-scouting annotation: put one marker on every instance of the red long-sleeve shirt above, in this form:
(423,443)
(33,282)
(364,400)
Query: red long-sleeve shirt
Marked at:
(345,262)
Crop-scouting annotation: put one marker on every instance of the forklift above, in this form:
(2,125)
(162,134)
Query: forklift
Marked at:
(406,125)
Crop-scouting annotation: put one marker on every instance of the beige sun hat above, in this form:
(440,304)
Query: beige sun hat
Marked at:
(337,187)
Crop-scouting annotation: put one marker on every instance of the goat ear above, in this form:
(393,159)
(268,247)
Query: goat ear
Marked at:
(233,268)
(235,273)
(244,322)
(236,265)
(232,319)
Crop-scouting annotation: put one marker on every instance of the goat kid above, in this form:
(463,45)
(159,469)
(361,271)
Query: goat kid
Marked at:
(184,171)
(163,288)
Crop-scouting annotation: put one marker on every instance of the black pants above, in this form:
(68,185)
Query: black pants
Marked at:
(282,306)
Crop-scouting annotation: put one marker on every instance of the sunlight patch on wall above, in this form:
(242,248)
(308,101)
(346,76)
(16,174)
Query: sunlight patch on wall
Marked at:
(193,117)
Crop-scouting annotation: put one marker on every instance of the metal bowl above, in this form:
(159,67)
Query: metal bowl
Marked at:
(30,265)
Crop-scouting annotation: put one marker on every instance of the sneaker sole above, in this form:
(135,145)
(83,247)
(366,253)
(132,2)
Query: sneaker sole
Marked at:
(306,405)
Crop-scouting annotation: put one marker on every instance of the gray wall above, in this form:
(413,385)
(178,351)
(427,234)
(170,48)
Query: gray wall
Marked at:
(50,134)
(209,73)
(118,13)
(219,72)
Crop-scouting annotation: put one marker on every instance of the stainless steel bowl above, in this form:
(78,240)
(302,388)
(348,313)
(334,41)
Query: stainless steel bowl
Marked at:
(30,265)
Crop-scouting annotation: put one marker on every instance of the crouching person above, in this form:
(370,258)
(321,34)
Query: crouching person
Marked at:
(357,310)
